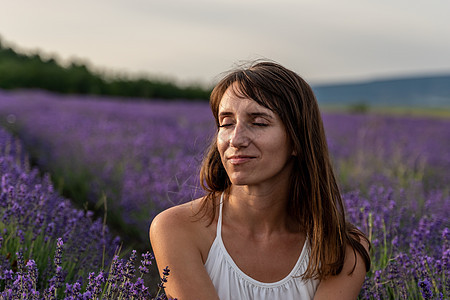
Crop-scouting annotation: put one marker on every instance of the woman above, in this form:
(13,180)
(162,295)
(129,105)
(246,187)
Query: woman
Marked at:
(272,223)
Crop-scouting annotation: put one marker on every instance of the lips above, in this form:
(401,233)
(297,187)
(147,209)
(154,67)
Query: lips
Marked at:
(240,159)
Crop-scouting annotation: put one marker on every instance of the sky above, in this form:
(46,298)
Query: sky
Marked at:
(195,41)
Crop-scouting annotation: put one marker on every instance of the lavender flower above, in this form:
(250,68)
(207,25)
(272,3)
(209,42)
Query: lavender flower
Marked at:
(58,252)
(146,262)
(166,271)
(33,273)
(426,289)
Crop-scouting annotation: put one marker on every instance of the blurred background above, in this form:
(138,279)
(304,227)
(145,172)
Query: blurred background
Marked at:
(376,52)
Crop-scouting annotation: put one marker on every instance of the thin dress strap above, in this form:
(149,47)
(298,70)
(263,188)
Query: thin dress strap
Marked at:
(219,221)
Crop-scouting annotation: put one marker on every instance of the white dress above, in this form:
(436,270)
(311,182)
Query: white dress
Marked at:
(231,283)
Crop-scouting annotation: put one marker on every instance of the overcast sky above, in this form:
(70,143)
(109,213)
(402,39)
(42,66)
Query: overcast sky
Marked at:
(195,40)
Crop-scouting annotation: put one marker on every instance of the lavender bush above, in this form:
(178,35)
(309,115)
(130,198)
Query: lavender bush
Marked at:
(410,240)
(393,150)
(144,157)
(34,216)
(37,222)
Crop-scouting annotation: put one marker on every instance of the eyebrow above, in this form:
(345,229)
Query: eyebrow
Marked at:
(253,114)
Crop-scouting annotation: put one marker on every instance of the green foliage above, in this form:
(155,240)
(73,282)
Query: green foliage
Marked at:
(359,107)
(32,71)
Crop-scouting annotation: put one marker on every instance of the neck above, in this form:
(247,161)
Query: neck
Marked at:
(259,212)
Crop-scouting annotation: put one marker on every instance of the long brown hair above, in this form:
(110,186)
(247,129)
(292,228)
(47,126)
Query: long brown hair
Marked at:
(315,201)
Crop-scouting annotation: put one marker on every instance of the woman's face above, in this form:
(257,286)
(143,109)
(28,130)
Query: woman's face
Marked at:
(252,142)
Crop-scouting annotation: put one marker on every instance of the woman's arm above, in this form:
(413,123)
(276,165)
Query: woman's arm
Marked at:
(176,243)
(344,285)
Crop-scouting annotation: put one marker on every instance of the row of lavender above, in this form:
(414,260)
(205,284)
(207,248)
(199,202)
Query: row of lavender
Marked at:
(51,250)
(142,157)
(145,158)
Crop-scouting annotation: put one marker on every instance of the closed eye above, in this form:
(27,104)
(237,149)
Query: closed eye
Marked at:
(261,124)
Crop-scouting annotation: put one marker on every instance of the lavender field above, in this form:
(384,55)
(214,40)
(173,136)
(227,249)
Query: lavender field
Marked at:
(135,158)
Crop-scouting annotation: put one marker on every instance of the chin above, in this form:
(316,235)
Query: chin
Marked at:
(240,181)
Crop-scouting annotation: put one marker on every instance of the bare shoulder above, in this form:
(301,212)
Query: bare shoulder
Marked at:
(354,262)
(173,216)
(179,222)
(182,228)
(347,284)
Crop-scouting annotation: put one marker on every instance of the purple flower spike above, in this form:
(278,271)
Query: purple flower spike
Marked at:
(32,272)
(58,252)
(146,262)
(426,289)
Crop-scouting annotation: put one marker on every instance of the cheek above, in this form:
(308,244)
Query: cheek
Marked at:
(221,142)
(283,146)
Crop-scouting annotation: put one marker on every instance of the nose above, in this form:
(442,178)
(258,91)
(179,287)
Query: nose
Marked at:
(240,136)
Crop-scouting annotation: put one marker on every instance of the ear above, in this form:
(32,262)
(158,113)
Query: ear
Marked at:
(294,153)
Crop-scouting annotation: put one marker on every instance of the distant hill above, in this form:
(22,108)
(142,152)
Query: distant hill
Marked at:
(426,91)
